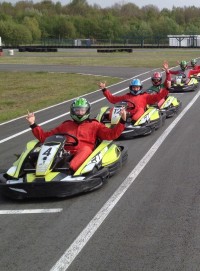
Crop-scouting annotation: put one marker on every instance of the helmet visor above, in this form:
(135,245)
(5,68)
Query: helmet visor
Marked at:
(156,80)
(135,88)
(80,111)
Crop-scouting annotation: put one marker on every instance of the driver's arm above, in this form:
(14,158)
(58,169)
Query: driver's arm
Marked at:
(174,72)
(111,98)
(41,135)
(191,72)
(114,99)
(153,98)
(105,133)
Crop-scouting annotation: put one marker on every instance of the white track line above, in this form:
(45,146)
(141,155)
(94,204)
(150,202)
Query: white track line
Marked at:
(30,211)
(60,116)
(52,106)
(75,248)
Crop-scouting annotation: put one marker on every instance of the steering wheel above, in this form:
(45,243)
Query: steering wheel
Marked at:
(130,105)
(74,139)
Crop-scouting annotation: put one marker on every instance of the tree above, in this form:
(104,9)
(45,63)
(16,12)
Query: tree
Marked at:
(129,10)
(79,7)
(63,27)
(164,26)
(33,26)
(14,34)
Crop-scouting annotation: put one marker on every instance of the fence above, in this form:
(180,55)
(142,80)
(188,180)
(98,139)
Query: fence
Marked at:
(134,42)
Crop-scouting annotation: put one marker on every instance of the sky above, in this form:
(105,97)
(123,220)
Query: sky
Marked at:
(140,3)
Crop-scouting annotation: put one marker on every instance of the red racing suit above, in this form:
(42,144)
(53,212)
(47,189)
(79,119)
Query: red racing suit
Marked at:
(185,74)
(87,133)
(156,89)
(141,101)
(196,67)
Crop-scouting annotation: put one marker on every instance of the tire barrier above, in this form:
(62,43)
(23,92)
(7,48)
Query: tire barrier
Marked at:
(37,49)
(128,50)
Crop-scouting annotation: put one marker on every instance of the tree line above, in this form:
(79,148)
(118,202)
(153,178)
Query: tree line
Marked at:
(27,23)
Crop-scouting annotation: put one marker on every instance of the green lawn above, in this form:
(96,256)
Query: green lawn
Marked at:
(149,58)
(36,90)
(20,91)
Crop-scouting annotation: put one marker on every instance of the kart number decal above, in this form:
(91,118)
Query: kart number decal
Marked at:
(117,110)
(179,79)
(96,159)
(45,159)
(115,115)
(47,152)
(146,118)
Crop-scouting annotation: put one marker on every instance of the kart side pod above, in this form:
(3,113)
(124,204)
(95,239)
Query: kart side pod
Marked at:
(150,114)
(102,111)
(193,81)
(171,100)
(14,171)
(105,153)
(111,156)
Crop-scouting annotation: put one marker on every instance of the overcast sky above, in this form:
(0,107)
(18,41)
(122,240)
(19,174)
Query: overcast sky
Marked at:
(140,3)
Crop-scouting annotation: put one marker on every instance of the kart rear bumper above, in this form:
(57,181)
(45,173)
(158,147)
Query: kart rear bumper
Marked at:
(132,131)
(170,111)
(185,88)
(63,188)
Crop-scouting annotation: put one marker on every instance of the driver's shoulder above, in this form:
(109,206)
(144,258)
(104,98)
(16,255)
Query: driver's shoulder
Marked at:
(149,90)
(145,92)
(67,121)
(92,120)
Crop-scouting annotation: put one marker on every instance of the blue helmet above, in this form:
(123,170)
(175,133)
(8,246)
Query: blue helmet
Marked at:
(135,83)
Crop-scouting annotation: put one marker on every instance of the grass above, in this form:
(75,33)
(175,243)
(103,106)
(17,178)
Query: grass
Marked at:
(36,90)
(22,90)
(149,58)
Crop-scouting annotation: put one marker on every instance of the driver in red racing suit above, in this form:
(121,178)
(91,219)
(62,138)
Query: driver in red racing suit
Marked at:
(185,71)
(86,130)
(194,65)
(136,96)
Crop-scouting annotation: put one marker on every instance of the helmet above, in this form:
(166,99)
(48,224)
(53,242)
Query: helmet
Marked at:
(193,62)
(135,83)
(183,65)
(78,105)
(156,78)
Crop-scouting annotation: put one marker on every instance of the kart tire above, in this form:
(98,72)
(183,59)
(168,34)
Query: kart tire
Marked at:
(95,187)
(2,178)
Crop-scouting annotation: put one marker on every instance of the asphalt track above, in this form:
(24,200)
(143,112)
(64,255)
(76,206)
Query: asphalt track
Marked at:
(145,218)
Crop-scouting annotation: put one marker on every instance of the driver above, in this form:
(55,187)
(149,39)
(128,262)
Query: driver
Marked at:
(157,84)
(194,65)
(156,80)
(81,126)
(185,71)
(136,96)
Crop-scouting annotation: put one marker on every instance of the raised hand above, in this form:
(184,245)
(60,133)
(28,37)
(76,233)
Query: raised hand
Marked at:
(30,118)
(165,66)
(102,85)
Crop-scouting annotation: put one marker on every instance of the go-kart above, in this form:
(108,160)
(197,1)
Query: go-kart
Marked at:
(196,76)
(151,120)
(42,170)
(179,84)
(170,106)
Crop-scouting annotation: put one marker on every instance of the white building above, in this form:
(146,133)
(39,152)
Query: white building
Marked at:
(184,40)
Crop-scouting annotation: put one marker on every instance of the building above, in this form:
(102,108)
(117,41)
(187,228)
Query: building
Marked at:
(184,40)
